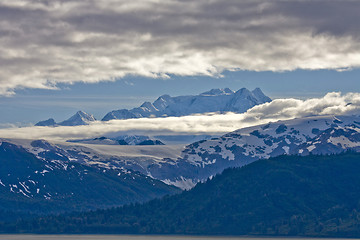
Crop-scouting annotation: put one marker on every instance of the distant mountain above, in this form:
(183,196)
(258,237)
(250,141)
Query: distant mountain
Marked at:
(312,196)
(203,159)
(215,100)
(45,179)
(183,139)
(310,135)
(49,122)
(120,140)
(100,140)
(137,139)
(79,118)
(331,141)
(139,158)
(132,139)
(151,142)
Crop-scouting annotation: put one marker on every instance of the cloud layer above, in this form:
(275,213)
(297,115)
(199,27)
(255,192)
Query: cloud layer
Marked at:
(43,43)
(279,109)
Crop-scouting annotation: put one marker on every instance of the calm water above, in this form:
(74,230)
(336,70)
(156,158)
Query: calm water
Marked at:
(124,237)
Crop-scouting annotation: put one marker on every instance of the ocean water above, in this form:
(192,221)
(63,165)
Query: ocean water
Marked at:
(127,237)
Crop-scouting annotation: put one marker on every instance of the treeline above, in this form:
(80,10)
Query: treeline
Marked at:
(286,195)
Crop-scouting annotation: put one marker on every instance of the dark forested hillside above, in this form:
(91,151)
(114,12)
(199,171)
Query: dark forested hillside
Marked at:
(29,185)
(287,195)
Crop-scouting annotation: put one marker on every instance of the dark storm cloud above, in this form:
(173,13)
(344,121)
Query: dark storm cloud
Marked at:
(43,43)
(333,17)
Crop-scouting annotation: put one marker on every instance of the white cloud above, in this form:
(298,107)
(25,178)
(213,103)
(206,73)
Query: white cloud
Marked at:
(279,109)
(43,42)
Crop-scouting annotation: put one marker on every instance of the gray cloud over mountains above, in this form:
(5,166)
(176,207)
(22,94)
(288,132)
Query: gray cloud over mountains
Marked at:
(279,109)
(43,42)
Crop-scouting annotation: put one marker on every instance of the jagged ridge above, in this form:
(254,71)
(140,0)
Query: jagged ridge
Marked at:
(215,100)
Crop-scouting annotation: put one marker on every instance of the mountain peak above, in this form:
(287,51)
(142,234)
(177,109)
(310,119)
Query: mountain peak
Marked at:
(81,114)
(165,96)
(79,118)
(218,92)
(214,100)
(148,106)
(162,102)
(85,115)
(49,122)
(243,92)
(260,95)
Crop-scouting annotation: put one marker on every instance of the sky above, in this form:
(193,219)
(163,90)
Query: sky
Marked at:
(58,57)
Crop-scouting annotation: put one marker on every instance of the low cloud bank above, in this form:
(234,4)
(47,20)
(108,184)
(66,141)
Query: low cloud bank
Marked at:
(280,109)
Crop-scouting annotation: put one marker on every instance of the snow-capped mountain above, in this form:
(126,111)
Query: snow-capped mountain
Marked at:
(215,100)
(184,167)
(49,122)
(206,158)
(128,139)
(120,140)
(104,156)
(79,118)
(99,140)
(44,178)
(333,140)
(315,135)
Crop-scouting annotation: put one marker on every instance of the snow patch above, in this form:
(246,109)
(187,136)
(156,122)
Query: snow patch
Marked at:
(310,148)
(286,149)
(343,142)
(182,183)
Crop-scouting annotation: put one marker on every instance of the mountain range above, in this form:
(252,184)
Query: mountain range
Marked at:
(41,181)
(120,140)
(309,135)
(204,159)
(309,196)
(41,177)
(79,118)
(215,100)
